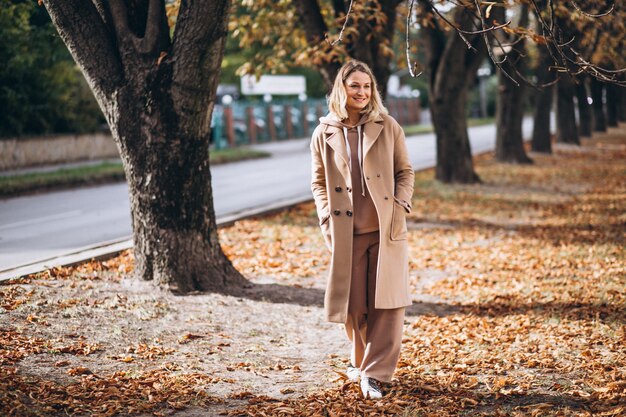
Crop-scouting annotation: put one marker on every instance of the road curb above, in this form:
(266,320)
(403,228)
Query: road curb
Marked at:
(106,250)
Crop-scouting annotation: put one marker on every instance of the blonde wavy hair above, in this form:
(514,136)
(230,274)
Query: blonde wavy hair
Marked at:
(338,97)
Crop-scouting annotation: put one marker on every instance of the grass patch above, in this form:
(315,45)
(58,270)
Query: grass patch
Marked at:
(64,177)
(99,174)
(224,156)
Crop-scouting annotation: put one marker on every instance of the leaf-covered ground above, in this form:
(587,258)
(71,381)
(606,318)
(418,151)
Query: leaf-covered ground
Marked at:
(519,288)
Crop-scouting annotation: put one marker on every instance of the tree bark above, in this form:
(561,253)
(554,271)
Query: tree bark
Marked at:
(510,103)
(451,68)
(454,156)
(584,108)
(566,129)
(599,118)
(157,97)
(622,104)
(509,117)
(541,138)
(612,105)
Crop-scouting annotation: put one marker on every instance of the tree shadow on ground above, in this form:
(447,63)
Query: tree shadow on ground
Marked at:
(314,297)
(280,294)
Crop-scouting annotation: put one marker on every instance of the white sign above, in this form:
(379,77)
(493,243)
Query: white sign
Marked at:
(273,84)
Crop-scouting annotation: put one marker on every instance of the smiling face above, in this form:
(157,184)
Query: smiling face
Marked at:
(359,90)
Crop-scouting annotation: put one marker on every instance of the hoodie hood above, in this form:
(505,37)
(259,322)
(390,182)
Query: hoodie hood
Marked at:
(333,120)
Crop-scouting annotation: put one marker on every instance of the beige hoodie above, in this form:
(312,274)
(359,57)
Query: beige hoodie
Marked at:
(365,216)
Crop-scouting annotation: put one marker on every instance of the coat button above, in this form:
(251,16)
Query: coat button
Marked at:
(378,175)
(338,189)
(367,178)
(337,212)
(349,189)
(349,213)
(386,198)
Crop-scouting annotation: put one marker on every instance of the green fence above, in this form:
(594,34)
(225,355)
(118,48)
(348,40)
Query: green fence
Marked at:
(244,122)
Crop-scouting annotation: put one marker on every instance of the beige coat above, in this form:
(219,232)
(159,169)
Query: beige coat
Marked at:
(389,179)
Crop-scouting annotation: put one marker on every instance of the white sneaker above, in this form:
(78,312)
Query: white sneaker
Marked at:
(353,373)
(371,388)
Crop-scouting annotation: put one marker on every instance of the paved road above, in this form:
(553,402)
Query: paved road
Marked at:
(34,228)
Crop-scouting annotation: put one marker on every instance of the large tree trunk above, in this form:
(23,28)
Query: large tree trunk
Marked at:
(612,105)
(157,97)
(451,68)
(566,129)
(510,104)
(597,92)
(454,156)
(584,108)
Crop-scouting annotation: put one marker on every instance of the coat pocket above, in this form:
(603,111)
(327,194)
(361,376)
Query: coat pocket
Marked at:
(326,232)
(398,223)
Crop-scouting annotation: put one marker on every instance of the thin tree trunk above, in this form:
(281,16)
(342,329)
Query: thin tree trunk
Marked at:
(612,104)
(454,160)
(599,118)
(622,104)
(509,117)
(510,104)
(566,129)
(584,108)
(541,139)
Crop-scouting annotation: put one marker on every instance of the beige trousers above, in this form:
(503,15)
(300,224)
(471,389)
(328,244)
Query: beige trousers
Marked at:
(376,334)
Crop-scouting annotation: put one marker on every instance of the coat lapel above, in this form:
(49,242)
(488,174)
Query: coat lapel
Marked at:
(337,142)
(371,131)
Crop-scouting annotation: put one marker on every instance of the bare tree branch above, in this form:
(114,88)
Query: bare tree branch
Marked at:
(608,12)
(434,36)
(412,67)
(559,48)
(449,23)
(340,38)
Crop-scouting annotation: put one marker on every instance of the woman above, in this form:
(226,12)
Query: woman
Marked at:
(362,182)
